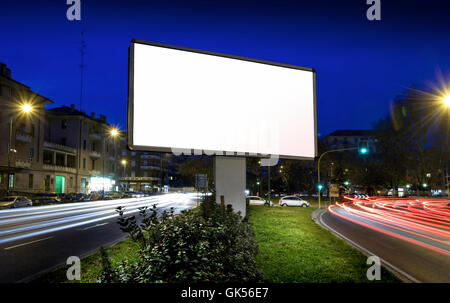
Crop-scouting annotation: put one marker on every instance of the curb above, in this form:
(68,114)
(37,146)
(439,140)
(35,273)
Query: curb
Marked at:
(404,277)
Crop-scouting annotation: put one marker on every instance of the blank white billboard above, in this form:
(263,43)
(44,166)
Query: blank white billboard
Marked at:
(189,99)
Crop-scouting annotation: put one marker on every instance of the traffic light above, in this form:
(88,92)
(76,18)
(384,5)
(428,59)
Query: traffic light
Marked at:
(363,147)
(320,186)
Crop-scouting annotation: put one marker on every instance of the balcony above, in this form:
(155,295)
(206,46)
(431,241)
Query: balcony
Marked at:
(95,136)
(149,167)
(156,157)
(23,163)
(59,168)
(60,147)
(23,138)
(94,173)
(94,154)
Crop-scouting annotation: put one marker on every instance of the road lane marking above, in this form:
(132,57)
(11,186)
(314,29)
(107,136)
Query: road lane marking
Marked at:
(96,225)
(367,252)
(27,243)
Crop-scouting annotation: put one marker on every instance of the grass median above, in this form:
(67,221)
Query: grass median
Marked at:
(292,248)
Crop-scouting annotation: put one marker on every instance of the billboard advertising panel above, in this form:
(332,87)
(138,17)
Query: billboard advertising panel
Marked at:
(187,99)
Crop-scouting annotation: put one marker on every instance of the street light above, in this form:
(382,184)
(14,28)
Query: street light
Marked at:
(112,133)
(26,109)
(446,100)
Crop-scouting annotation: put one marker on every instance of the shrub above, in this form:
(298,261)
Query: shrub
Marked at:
(209,244)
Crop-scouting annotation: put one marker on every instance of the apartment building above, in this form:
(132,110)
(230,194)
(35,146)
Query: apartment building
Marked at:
(80,151)
(350,138)
(22,120)
(143,171)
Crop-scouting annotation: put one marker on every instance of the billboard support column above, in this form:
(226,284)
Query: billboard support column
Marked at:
(230,181)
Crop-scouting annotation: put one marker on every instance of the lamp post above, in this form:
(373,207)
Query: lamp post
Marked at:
(24,109)
(112,133)
(362,150)
(446,103)
(124,164)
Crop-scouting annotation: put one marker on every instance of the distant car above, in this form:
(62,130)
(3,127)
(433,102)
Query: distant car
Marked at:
(293,201)
(255,200)
(14,202)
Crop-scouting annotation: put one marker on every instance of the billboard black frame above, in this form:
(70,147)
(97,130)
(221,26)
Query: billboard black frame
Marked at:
(130,99)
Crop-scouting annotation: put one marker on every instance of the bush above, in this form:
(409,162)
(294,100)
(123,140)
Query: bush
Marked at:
(210,244)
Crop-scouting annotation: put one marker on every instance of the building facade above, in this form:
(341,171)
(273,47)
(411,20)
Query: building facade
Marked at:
(351,138)
(65,150)
(22,136)
(143,171)
(80,152)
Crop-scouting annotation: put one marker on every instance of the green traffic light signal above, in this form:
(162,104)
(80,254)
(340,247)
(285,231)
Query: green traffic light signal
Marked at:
(363,150)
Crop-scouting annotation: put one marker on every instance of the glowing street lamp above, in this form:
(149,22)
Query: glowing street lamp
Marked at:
(346,183)
(26,109)
(114,132)
(446,100)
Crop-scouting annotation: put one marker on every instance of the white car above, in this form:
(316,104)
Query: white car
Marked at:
(255,200)
(293,201)
(14,202)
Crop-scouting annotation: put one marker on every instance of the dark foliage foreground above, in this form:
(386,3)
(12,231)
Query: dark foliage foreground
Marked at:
(209,244)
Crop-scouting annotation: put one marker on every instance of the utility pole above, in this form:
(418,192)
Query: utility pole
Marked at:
(83,46)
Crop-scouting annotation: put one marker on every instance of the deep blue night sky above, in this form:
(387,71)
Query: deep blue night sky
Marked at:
(361,65)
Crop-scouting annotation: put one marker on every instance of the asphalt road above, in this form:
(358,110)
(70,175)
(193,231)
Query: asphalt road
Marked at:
(34,240)
(416,251)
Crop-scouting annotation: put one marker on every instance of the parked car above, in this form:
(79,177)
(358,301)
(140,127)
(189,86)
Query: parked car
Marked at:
(77,197)
(255,200)
(42,199)
(293,201)
(14,202)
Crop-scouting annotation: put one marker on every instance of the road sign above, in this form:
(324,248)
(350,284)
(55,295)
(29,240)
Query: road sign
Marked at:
(334,191)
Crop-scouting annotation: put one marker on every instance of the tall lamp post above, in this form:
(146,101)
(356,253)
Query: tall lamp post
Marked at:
(362,150)
(446,104)
(24,109)
(112,133)
(124,164)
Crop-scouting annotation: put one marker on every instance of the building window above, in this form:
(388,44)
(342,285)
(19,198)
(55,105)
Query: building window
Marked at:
(84,144)
(70,182)
(60,161)
(93,164)
(93,146)
(32,130)
(84,163)
(31,153)
(63,141)
(48,157)
(63,123)
(71,161)
(30,180)
(11,180)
